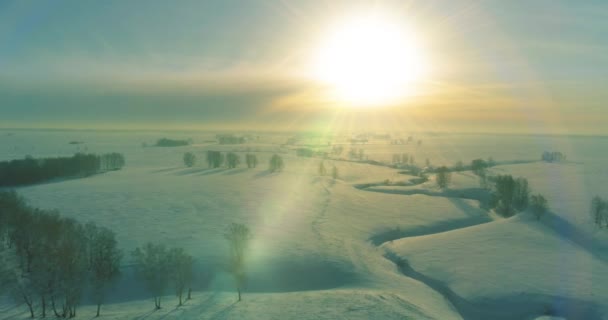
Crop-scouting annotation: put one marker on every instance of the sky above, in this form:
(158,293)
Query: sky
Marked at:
(496,66)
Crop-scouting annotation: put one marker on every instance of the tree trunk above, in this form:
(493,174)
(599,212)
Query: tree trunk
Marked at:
(43,304)
(189,294)
(54,309)
(29,305)
(98,308)
(180,299)
(239,292)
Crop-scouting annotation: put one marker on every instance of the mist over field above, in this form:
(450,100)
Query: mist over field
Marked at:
(375,238)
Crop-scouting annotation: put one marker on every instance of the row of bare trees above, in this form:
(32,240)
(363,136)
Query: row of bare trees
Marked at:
(160,267)
(216,159)
(49,261)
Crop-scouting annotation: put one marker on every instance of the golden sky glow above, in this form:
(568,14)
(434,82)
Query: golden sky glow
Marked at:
(462,65)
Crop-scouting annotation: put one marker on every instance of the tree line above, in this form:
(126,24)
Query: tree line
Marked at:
(49,262)
(31,170)
(217,159)
(165,142)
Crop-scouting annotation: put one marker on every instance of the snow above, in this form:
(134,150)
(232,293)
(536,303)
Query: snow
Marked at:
(328,249)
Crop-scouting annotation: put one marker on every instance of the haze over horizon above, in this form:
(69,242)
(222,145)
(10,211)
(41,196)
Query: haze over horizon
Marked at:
(494,66)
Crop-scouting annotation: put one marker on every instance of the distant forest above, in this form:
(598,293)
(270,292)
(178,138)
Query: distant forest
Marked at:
(164,142)
(31,170)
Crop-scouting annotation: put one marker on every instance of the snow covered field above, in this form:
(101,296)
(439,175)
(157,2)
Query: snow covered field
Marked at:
(325,249)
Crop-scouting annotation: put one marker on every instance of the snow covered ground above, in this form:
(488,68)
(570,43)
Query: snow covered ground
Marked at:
(325,249)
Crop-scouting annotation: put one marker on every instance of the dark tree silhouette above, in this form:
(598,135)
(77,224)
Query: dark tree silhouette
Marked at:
(30,170)
(510,195)
(164,142)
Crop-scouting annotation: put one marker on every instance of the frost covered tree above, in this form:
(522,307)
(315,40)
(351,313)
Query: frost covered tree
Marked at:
(538,205)
(103,261)
(232,160)
(238,236)
(444,176)
(189,159)
(181,272)
(152,266)
(275,163)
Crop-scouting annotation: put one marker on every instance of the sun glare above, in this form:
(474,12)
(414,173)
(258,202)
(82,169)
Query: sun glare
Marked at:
(369,61)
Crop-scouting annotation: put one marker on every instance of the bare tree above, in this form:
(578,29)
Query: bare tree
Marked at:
(181,271)
(444,176)
(215,159)
(252,160)
(275,163)
(478,166)
(510,195)
(238,236)
(599,211)
(538,205)
(232,160)
(189,159)
(104,261)
(322,170)
(151,265)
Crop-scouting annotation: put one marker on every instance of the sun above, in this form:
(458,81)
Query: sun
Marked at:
(369,61)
